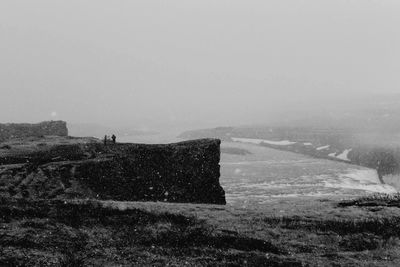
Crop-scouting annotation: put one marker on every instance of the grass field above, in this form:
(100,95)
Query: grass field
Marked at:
(304,232)
(277,231)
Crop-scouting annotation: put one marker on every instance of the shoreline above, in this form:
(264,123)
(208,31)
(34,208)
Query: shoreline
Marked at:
(320,178)
(288,148)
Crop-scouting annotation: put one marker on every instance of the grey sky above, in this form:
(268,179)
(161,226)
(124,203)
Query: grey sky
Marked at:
(194,63)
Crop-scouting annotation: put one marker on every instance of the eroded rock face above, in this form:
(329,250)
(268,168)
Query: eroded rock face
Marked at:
(182,172)
(21,130)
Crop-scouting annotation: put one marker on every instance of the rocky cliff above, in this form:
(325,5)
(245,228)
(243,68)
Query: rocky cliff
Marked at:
(21,130)
(85,168)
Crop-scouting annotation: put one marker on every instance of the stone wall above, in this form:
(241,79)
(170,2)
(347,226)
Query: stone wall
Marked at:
(20,130)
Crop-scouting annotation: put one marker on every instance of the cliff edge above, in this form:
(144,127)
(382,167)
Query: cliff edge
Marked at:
(68,167)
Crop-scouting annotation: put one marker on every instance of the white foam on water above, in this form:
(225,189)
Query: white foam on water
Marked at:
(264,198)
(366,180)
(260,141)
(245,181)
(323,147)
(307,144)
(269,186)
(316,194)
(252,162)
(344,155)
(247,140)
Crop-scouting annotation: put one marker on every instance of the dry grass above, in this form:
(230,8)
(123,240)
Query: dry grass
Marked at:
(92,233)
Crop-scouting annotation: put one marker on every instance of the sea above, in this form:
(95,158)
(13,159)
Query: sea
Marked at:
(264,174)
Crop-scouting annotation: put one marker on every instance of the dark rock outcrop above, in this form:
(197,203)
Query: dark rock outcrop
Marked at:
(181,172)
(21,130)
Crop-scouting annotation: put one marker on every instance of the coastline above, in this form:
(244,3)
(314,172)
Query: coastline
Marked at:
(392,180)
(315,153)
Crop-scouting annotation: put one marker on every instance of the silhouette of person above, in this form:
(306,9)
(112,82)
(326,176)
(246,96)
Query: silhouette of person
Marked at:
(105,140)
(113,137)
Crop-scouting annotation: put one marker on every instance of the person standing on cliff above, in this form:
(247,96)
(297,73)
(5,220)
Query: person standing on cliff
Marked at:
(105,140)
(113,137)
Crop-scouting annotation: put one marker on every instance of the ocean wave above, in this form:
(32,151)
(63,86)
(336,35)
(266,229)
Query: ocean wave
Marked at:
(366,180)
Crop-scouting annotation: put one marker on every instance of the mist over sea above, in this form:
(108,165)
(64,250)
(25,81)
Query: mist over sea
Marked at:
(265,174)
(157,138)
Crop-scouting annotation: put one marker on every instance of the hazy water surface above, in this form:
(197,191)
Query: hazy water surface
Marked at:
(267,173)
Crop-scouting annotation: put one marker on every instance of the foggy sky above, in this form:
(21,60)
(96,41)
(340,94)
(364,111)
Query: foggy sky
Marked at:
(192,63)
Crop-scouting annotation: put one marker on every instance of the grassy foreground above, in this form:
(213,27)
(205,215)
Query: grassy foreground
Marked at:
(300,232)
